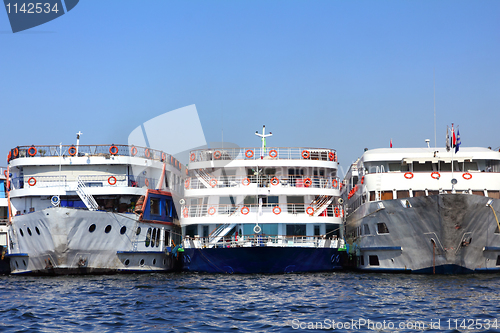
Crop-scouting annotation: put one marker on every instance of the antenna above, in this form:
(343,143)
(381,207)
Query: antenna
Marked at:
(434,81)
(428,141)
(78,141)
(263,137)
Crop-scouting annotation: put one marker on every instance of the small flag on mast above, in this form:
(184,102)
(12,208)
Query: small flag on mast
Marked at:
(453,139)
(458,142)
(391,142)
(447,138)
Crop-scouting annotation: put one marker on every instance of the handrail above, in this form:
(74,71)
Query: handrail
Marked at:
(264,240)
(257,153)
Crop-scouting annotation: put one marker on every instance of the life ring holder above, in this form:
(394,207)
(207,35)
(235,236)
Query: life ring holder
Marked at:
(335,183)
(32,153)
(133,151)
(112,180)
(32,181)
(276,210)
(409,175)
(307,182)
(192,157)
(309,210)
(275,181)
(245,210)
(257,229)
(245,181)
(273,153)
(435,175)
(211,210)
(217,154)
(467,176)
(72,151)
(249,153)
(213,182)
(113,148)
(186,183)
(305,154)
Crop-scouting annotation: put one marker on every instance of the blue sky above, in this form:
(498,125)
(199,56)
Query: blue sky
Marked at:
(347,75)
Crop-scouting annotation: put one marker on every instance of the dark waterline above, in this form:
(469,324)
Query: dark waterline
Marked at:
(220,303)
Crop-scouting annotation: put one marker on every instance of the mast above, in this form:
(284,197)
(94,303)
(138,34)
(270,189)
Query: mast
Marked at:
(263,137)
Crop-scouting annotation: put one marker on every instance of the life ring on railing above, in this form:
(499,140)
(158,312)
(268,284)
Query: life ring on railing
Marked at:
(211,211)
(273,153)
(71,150)
(245,181)
(331,156)
(113,148)
(163,157)
(185,212)
(335,183)
(408,175)
(307,182)
(467,176)
(217,154)
(276,210)
(147,153)
(362,180)
(133,151)
(310,210)
(257,229)
(32,181)
(249,153)
(245,210)
(186,183)
(336,211)
(146,182)
(5,173)
(275,181)
(9,156)
(15,152)
(112,180)
(305,154)
(30,152)
(192,157)
(213,182)
(435,175)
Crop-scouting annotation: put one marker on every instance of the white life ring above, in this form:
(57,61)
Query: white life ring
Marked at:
(257,229)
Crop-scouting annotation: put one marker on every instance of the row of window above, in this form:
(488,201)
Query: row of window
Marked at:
(364,230)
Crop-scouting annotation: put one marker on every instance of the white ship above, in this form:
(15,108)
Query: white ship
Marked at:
(4,260)
(92,209)
(424,210)
(262,210)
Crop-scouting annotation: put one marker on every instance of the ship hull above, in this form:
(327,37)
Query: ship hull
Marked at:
(263,260)
(441,234)
(57,241)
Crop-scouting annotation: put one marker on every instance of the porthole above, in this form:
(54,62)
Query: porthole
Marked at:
(24,263)
(123,230)
(138,231)
(92,228)
(154,261)
(142,262)
(29,231)
(21,232)
(108,229)
(17,265)
(126,262)
(37,231)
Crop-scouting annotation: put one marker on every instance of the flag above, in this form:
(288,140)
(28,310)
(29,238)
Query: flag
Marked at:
(447,138)
(391,142)
(453,139)
(457,144)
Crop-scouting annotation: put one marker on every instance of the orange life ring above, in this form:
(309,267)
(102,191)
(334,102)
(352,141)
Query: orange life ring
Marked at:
(113,148)
(467,176)
(147,153)
(331,156)
(305,154)
(335,183)
(186,183)
(211,211)
(307,182)
(16,152)
(273,153)
(71,150)
(192,157)
(217,154)
(9,157)
(334,157)
(245,181)
(408,175)
(362,180)
(34,152)
(435,175)
(5,173)
(245,210)
(146,182)
(133,151)
(336,211)
(249,153)
(276,210)
(163,157)
(32,181)
(112,180)
(275,181)
(187,172)
(310,210)
(213,182)
(185,212)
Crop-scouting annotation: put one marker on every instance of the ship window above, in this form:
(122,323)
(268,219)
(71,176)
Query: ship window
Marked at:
(127,262)
(498,261)
(148,238)
(138,231)
(403,194)
(168,211)
(386,195)
(249,200)
(205,231)
(405,203)
(317,230)
(481,193)
(295,204)
(494,194)
(366,229)
(123,230)
(270,171)
(419,193)
(154,207)
(435,192)
(191,230)
(108,229)
(382,228)
(92,228)
(37,231)
(427,166)
(29,231)
(395,166)
(158,238)
(154,261)
(373,260)
(332,230)
(362,260)
(21,232)
(372,195)
(470,166)
(272,201)
(153,237)
(295,229)
(141,262)
(226,201)
(167,237)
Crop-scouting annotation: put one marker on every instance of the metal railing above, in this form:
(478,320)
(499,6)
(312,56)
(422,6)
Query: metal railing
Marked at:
(252,153)
(289,181)
(264,240)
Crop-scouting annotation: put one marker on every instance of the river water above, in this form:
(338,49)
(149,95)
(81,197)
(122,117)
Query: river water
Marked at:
(181,302)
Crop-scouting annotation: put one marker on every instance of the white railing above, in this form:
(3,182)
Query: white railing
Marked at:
(264,240)
(252,153)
